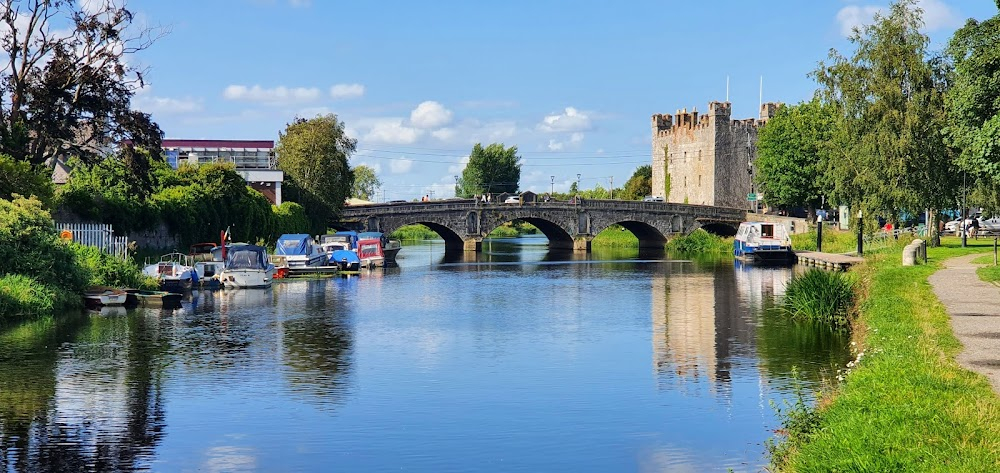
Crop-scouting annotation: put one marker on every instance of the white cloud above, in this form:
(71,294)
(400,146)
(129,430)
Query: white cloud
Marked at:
(574,139)
(277,96)
(937,15)
(392,131)
(456,169)
(400,166)
(444,134)
(570,120)
(166,105)
(430,114)
(555,145)
(347,91)
(92,7)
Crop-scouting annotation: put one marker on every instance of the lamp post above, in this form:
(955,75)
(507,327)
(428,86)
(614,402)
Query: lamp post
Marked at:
(860,235)
(612,191)
(552,190)
(578,182)
(964,209)
(456,186)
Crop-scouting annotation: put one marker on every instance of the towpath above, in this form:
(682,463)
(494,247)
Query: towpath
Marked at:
(974,307)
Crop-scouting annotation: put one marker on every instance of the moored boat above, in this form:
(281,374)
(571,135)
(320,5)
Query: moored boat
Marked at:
(390,247)
(370,252)
(340,255)
(174,272)
(300,250)
(247,266)
(763,241)
(144,298)
(209,274)
(104,296)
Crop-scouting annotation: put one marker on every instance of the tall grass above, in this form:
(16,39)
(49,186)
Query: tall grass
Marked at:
(700,241)
(823,296)
(22,297)
(414,232)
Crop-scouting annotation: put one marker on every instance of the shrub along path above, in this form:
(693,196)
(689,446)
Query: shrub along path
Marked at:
(974,308)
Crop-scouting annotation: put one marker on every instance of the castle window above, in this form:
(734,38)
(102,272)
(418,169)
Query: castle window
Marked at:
(699,180)
(699,155)
(685,181)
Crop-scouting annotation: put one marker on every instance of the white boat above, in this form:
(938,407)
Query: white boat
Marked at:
(763,241)
(105,296)
(247,266)
(174,271)
(300,250)
(209,273)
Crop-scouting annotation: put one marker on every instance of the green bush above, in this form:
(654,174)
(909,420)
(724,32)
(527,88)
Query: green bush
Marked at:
(103,269)
(29,246)
(107,192)
(289,217)
(20,177)
(615,236)
(700,241)
(820,295)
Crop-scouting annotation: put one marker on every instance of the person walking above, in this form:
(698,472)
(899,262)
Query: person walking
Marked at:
(974,228)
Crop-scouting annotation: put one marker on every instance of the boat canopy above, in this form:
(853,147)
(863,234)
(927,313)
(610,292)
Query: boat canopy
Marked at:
(374,236)
(370,248)
(247,257)
(297,244)
(349,237)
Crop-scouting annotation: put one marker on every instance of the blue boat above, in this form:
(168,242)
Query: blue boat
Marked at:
(763,241)
(300,251)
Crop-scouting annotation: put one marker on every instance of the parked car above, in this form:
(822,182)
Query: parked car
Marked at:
(653,198)
(989,225)
(514,199)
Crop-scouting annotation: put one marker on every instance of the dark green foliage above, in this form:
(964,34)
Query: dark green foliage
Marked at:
(20,177)
(313,153)
(108,192)
(792,155)
(493,169)
(700,241)
(289,217)
(639,185)
(823,296)
(23,297)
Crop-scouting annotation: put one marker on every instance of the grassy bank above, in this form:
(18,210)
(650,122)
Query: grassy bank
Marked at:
(988,273)
(905,404)
(701,242)
(615,236)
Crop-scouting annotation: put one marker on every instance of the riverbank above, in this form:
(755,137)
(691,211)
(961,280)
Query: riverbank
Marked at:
(904,404)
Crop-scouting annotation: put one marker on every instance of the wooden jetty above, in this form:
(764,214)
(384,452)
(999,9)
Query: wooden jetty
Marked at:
(827,260)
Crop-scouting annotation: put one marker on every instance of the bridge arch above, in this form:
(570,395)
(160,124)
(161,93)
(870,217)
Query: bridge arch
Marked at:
(558,237)
(720,228)
(648,235)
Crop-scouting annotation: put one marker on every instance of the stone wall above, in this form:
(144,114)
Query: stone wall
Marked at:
(154,239)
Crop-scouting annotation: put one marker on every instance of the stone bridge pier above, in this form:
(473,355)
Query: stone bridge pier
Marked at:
(463,224)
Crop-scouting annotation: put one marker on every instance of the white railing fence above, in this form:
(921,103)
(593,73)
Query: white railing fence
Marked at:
(97,235)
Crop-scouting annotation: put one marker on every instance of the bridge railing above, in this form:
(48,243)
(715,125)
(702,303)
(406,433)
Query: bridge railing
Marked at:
(595,204)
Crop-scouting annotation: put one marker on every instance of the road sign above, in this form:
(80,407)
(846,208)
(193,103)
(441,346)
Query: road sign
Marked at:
(751,197)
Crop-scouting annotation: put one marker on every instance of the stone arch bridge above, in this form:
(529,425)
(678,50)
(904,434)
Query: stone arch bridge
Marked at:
(463,223)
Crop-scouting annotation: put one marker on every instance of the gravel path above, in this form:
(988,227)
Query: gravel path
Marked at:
(974,307)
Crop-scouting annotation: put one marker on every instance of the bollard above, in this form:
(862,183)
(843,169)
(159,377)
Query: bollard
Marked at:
(910,255)
(921,249)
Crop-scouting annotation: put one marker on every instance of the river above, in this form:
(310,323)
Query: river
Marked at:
(515,360)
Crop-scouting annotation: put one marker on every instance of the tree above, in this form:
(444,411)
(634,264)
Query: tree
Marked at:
(887,149)
(313,153)
(68,79)
(792,155)
(365,182)
(639,185)
(493,169)
(973,104)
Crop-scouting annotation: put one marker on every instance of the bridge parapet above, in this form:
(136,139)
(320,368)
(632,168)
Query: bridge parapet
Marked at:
(463,223)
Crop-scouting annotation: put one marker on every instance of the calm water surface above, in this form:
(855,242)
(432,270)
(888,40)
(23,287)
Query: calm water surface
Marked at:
(518,360)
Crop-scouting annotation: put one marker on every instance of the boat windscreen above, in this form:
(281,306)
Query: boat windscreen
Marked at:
(245,259)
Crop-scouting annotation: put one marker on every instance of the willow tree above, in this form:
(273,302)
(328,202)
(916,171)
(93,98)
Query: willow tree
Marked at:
(887,149)
(974,106)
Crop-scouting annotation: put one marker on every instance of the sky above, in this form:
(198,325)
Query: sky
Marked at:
(572,84)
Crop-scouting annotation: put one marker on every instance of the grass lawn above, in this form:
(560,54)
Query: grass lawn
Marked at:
(906,405)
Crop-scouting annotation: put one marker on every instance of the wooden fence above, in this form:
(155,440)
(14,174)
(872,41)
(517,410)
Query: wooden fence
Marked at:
(98,235)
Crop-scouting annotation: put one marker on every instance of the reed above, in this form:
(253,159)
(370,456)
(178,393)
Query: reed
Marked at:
(820,295)
(700,241)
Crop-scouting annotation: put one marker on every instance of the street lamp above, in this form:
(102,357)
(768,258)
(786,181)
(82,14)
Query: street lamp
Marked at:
(612,196)
(578,182)
(964,209)
(553,189)
(456,186)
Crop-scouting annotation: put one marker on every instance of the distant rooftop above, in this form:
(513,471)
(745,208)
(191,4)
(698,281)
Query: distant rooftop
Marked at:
(266,144)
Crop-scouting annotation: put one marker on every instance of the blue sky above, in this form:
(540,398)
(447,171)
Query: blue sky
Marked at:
(572,83)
